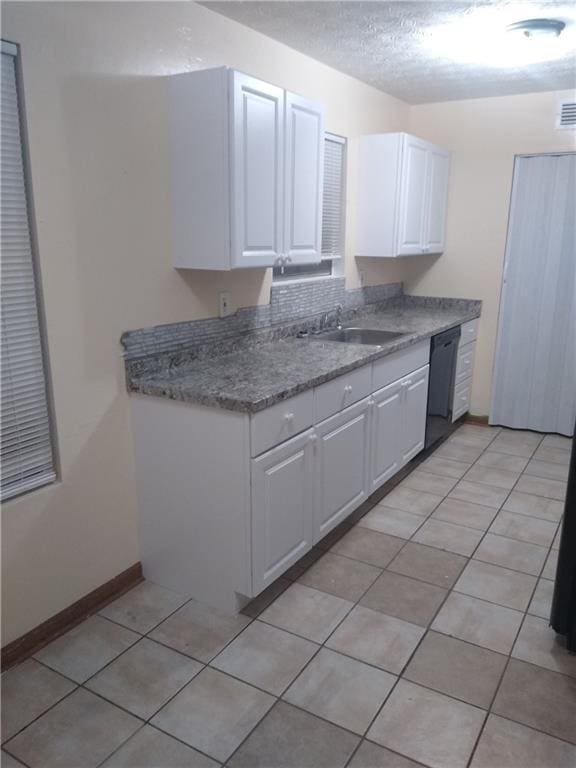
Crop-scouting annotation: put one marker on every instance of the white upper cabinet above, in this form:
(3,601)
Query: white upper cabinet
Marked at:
(247,165)
(413,198)
(402,196)
(257,137)
(304,173)
(435,222)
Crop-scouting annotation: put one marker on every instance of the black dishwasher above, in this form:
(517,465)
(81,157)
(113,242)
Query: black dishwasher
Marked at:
(443,358)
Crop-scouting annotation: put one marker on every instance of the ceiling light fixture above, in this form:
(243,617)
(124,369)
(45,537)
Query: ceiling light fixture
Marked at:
(537,28)
(484,37)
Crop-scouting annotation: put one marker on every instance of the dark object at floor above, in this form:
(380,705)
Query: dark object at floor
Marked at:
(563,617)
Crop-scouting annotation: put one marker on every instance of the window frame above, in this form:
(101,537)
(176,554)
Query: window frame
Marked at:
(306,272)
(11,48)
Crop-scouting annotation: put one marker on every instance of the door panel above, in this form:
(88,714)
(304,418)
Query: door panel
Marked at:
(534,377)
(304,179)
(438,171)
(413,196)
(414,413)
(386,426)
(282,498)
(341,478)
(257,162)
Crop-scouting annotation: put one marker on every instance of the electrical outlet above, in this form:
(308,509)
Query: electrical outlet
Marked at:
(224,304)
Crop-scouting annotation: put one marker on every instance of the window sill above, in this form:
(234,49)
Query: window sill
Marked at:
(311,279)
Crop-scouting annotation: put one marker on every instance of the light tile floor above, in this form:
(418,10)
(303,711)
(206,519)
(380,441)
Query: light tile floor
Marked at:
(417,636)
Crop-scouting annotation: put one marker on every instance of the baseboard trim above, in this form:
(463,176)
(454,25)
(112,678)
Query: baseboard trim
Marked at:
(32,641)
(481,421)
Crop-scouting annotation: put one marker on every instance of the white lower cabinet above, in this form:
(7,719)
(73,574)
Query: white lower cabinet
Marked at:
(414,414)
(228,501)
(464,369)
(311,483)
(341,466)
(386,431)
(398,425)
(282,497)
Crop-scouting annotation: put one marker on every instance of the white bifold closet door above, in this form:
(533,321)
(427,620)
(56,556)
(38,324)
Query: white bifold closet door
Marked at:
(534,382)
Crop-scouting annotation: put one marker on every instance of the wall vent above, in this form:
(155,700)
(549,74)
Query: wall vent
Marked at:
(566,115)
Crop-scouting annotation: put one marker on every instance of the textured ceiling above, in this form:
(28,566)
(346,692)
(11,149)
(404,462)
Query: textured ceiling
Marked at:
(390,45)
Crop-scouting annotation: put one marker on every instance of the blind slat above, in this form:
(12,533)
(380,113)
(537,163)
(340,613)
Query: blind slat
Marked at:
(26,444)
(333,202)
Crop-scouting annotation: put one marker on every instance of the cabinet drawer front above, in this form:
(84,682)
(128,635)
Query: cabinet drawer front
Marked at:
(400,364)
(339,393)
(469,332)
(465,363)
(280,422)
(462,397)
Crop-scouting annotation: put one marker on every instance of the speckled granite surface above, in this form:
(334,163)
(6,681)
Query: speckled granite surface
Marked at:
(255,377)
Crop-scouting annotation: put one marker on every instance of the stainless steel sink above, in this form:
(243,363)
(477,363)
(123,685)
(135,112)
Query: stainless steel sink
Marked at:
(358,336)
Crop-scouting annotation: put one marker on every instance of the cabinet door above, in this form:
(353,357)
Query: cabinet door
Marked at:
(304,136)
(257,163)
(282,499)
(415,399)
(413,197)
(341,466)
(386,428)
(435,223)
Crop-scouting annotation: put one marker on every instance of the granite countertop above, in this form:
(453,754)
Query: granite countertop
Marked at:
(255,378)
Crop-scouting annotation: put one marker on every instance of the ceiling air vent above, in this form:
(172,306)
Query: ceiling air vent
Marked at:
(566,117)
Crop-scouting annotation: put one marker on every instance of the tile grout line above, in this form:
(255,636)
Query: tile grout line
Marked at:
(427,629)
(254,618)
(362,737)
(109,663)
(354,604)
(400,676)
(509,655)
(323,645)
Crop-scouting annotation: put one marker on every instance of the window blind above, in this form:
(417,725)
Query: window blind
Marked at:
(332,215)
(333,201)
(26,444)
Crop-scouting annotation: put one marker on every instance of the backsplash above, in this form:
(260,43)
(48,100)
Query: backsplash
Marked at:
(289,304)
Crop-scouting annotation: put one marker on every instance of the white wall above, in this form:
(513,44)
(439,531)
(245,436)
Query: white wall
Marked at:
(484,135)
(96,121)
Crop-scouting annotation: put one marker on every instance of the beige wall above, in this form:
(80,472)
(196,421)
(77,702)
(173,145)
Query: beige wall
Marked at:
(483,135)
(95,112)
(96,120)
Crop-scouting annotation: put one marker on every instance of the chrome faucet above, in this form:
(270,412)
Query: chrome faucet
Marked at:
(339,310)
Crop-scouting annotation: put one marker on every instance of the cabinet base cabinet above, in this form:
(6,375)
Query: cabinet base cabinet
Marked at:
(464,369)
(281,503)
(219,526)
(398,425)
(342,449)
(193,491)
(386,431)
(415,405)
